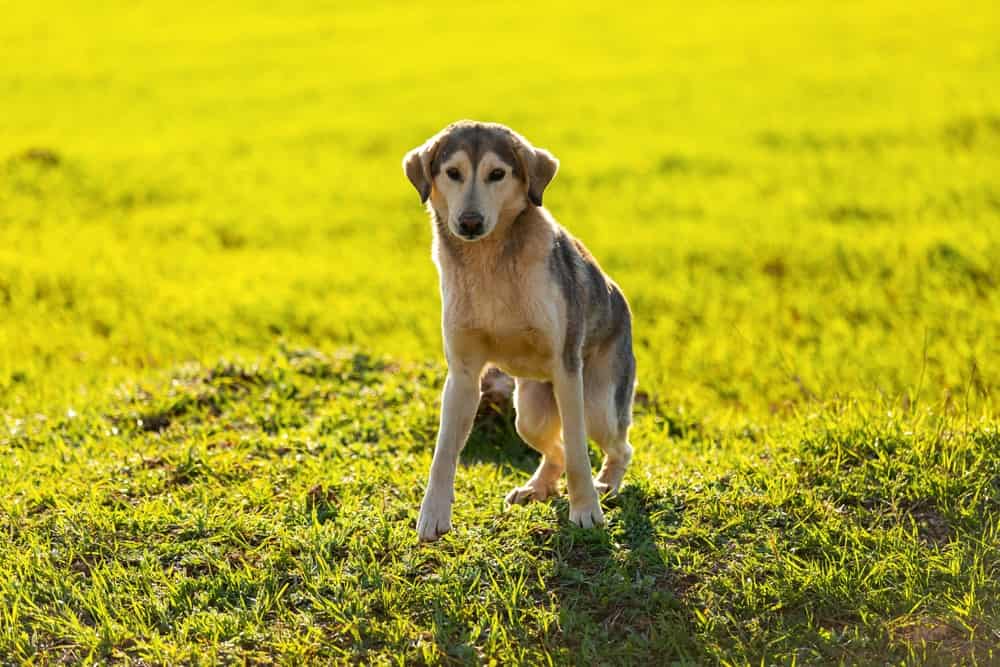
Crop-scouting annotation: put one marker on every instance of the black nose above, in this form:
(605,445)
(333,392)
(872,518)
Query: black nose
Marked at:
(470,224)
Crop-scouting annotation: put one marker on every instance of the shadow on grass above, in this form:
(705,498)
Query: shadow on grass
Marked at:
(617,594)
(494,440)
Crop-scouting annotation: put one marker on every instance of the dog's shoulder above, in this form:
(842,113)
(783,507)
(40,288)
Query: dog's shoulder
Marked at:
(573,266)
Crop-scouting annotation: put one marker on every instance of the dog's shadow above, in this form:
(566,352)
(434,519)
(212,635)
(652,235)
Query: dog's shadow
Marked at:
(624,562)
(615,585)
(494,437)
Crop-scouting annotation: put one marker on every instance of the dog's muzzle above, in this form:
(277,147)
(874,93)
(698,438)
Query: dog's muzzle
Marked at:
(470,224)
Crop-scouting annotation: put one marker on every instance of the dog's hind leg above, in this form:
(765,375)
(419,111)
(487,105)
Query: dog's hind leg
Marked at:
(609,381)
(539,425)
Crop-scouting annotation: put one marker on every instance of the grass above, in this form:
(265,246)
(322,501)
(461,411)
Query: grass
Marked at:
(220,349)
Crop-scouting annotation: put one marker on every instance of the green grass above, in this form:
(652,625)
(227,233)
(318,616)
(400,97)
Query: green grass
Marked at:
(220,347)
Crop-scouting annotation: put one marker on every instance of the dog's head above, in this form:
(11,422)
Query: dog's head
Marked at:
(477,174)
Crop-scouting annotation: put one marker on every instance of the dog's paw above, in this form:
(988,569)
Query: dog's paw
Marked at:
(609,479)
(608,485)
(434,520)
(604,489)
(535,490)
(587,515)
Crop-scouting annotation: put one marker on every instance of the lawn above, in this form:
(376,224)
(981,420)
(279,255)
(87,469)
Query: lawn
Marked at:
(220,348)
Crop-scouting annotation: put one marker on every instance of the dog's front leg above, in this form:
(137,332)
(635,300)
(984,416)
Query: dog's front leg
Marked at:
(584,503)
(458,409)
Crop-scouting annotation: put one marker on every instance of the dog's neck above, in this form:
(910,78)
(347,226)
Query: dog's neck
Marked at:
(515,240)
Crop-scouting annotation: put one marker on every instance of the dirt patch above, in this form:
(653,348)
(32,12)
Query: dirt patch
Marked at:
(939,642)
(932,527)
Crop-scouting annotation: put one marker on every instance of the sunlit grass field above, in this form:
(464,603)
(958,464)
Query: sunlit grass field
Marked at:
(220,337)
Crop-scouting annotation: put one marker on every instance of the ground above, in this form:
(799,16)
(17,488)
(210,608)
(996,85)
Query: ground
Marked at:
(220,339)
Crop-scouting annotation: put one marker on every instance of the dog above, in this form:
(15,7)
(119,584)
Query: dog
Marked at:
(520,293)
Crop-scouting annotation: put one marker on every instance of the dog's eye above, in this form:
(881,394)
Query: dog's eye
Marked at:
(496,175)
(454,174)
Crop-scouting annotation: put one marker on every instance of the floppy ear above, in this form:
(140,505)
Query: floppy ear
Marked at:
(540,167)
(417,166)
(417,169)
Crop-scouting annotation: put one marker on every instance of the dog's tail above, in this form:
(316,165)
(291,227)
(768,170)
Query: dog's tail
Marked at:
(497,391)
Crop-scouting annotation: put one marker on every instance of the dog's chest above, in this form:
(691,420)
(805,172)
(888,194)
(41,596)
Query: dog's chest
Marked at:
(510,322)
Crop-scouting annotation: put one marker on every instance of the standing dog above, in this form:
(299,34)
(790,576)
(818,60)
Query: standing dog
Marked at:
(520,292)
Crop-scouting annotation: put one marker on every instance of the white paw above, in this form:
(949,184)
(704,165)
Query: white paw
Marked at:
(534,491)
(434,520)
(608,483)
(587,514)
(609,479)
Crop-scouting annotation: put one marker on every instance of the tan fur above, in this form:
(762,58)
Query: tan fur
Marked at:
(506,311)
(505,303)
